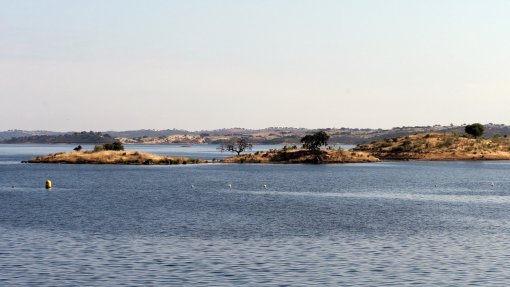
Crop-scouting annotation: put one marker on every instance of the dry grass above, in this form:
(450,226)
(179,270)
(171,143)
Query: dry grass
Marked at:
(439,147)
(111,157)
(303,156)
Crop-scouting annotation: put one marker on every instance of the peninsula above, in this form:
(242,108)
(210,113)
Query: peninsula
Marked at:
(435,146)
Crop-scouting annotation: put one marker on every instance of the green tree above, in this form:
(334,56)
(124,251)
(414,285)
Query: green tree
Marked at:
(315,141)
(236,145)
(475,130)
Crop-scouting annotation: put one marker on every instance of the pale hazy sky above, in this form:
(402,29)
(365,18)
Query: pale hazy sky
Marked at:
(117,65)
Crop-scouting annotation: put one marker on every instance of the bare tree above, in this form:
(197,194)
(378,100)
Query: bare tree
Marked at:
(236,145)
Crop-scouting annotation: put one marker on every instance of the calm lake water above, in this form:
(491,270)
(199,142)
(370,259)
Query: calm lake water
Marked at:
(382,224)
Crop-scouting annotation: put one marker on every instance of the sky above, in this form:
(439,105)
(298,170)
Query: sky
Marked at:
(126,64)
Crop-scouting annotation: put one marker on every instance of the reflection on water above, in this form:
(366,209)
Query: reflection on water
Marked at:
(399,223)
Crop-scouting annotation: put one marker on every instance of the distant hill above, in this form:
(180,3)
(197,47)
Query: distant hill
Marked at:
(77,138)
(20,133)
(271,135)
(146,133)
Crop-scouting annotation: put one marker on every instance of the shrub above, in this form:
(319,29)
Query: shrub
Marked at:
(117,146)
(406,146)
(397,149)
(447,142)
(113,146)
(98,148)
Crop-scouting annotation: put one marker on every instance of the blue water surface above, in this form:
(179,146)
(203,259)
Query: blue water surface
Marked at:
(378,224)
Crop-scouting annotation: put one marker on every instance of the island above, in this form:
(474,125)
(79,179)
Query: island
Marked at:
(113,157)
(287,155)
